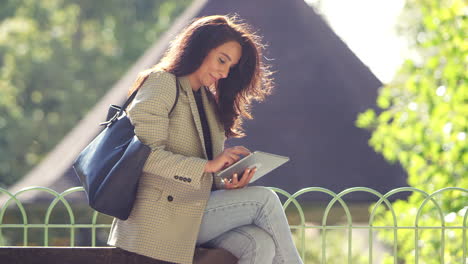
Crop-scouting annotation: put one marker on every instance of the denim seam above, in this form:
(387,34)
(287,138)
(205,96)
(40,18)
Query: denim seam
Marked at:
(251,239)
(233,204)
(267,220)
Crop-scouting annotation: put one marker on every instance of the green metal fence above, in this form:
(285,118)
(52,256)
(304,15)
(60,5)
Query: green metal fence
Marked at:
(291,200)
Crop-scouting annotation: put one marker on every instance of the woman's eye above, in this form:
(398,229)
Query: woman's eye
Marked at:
(222,61)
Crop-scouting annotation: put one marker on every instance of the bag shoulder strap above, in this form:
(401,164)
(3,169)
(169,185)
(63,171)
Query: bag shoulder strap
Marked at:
(177,95)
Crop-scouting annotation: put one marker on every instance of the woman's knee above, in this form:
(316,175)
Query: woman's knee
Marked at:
(249,243)
(266,195)
(264,192)
(258,243)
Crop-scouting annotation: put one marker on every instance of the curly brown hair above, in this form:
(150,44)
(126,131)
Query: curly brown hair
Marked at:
(249,80)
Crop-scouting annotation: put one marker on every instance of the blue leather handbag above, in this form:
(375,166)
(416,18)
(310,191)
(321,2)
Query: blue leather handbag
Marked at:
(110,167)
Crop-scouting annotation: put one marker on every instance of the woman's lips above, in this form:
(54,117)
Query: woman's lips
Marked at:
(214,79)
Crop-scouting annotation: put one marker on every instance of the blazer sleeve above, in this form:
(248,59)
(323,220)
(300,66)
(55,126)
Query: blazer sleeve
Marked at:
(149,113)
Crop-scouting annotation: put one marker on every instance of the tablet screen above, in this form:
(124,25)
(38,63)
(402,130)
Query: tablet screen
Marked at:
(264,162)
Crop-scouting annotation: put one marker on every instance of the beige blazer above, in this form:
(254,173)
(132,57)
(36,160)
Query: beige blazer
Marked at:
(173,188)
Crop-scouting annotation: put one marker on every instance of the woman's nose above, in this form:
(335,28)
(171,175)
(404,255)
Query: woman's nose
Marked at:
(224,73)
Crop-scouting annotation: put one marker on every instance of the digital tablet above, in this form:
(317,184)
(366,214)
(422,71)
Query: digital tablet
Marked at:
(264,162)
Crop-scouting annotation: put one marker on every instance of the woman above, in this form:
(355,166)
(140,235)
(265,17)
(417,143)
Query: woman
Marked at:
(216,65)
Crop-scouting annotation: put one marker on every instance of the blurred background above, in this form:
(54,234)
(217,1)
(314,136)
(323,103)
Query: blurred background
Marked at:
(368,93)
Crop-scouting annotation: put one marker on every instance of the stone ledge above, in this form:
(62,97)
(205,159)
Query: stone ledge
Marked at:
(100,255)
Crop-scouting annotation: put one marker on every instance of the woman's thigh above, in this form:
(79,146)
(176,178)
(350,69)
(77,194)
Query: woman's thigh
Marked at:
(229,209)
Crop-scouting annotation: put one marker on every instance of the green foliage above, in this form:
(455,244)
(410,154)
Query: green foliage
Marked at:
(57,58)
(336,249)
(423,124)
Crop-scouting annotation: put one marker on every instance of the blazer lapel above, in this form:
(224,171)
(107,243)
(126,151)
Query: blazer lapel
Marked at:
(184,82)
(216,130)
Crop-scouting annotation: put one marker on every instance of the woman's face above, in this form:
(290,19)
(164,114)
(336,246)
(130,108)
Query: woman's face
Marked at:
(216,65)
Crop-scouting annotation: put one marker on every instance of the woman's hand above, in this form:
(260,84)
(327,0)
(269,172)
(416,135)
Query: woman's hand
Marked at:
(228,157)
(235,183)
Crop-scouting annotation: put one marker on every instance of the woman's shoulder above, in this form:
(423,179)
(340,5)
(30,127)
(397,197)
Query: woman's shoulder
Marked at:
(161,77)
(159,85)
(159,82)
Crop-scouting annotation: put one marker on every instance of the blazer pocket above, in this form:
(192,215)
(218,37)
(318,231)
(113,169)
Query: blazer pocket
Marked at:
(148,193)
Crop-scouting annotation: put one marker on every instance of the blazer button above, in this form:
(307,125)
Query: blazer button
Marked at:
(176,177)
(170,198)
(184,179)
(189,180)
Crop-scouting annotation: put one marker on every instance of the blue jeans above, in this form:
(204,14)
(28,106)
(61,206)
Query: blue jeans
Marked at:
(251,224)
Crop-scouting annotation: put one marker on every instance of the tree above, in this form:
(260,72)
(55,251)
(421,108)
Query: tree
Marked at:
(57,58)
(423,125)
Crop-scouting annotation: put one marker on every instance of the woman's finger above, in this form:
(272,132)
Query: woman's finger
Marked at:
(246,179)
(228,184)
(235,180)
(245,176)
(231,185)
(243,150)
(239,150)
(229,160)
(235,183)
(232,157)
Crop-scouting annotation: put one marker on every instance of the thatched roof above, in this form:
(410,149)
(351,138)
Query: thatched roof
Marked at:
(321,86)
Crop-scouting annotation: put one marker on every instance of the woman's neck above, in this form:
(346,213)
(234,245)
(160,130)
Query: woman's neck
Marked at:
(194,82)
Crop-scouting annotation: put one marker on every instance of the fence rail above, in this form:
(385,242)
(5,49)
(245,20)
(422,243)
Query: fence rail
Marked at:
(291,201)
